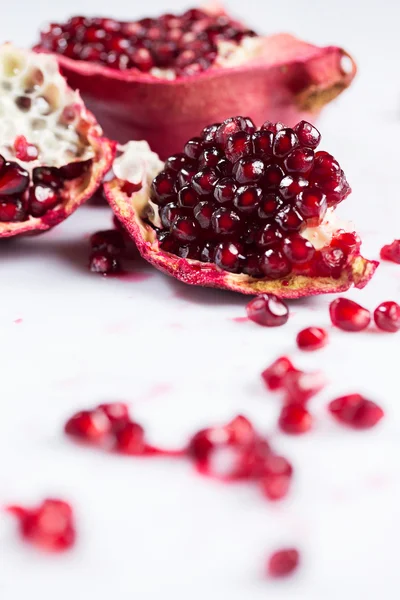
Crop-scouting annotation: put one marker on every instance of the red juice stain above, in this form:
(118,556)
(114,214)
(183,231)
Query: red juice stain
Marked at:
(135,277)
(239,319)
(18,321)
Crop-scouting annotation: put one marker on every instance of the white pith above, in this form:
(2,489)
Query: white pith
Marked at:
(37,77)
(138,163)
(230,54)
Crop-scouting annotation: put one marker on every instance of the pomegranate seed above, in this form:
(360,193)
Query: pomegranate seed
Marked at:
(247,199)
(48,176)
(116,412)
(263,142)
(238,145)
(307,134)
(274,375)
(268,236)
(295,419)
(203,213)
(91,426)
(204,181)
(348,315)
(330,262)
(187,197)
(387,316)
(184,229)
(229,256)
(311,204)
(297,249)
(347,242)
(268,310)
(103,263)
(356,411)
(13,179)
(283,562)
(285,141)
(42,199)
(225,222)
(300,386)
(391,252)
(277,475)
(249,170)
(312,338)
(299,160)
(193,148)
(23,150)
(274,264)
(49,526)
(225,190)
(111,241)
(12,210)
(130,439)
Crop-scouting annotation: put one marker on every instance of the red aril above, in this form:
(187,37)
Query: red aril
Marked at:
(356,411)
(268,310)
(276,478)
(295,419)
(312,338)
(391,252)
(348,315)
(301,387)
(283,562)
(92,426)
(274,375)
(387,316)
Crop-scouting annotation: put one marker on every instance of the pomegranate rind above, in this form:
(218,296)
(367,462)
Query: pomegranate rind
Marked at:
(76,191)
(289,80)
(193,272)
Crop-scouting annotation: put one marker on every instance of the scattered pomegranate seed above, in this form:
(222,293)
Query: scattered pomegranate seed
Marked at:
(274,375)
(348,315)
(312,338)
(391,252)
(91,426)
(130,439)
(24,150)
(104,263)
(50,526)
(387,316)
(276,478)
(356,411)
(268,310)
(295,419)
(283,562)
(116,412)
(301,387)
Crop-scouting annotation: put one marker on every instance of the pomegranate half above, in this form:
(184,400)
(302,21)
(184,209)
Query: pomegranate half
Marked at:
(164,79)
(242,209)
(52,153)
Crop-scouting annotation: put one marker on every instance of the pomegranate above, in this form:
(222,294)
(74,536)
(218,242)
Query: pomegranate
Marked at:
(391,252)
(268,310)
(387,316)
(312,338)
(52,155)
(356,411)
(242,209)
(348,315)
(283,562)
(163,79)
(49,526)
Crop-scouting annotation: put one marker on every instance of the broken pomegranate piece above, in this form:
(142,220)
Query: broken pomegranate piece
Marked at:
(283,562)
(387,316)
(348,315)
(356,411)
(49,526)
(234,211)
(133,74)
(52,153)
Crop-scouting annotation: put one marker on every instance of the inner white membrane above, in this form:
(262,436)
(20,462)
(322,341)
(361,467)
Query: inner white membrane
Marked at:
(36,102)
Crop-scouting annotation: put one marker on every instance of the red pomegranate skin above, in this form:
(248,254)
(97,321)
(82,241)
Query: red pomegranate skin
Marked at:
(289,80)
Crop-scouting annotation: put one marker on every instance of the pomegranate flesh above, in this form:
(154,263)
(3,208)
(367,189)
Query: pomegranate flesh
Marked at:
(50,526)
(52,153)
(239,210)
(133,74)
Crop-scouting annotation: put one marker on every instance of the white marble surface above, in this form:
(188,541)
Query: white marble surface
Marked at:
(151,529)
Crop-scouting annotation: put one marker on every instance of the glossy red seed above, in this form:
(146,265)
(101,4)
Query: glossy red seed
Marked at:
(387,316)
(307,134)
(274,375)
(269,206)
(225,222)
(42,199)
(116,412)
(312,338)
(268,310)
(391,252)
(330,262)
(111,240)
(238,145)
(129,439)
(249,170)
(262,143)
(356,411)
(283,562)
(91,426)
(176,162)
(273,176)
(187,197)
(291,186)
(12,210)
(168,214)
(347,242)
(274,264)
(248,198)
(225,190)
(276,477)
(295,419)
(348,315)
(193,148)
(285,141)
(50,526)
(228,256)
(24,150)
(267,236)
(203,213)
(299,160)
(301,387)
(204,181)
(184,229)
(104,263)
(230,127)
(162,187)
(13,179)
(297,249)
(311,204)
(289,219)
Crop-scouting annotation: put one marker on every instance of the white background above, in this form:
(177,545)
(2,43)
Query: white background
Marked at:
(152,529)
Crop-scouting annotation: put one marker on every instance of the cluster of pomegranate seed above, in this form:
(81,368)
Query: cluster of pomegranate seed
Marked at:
(391,252)
(283,562)
(312,338)
(298,388)
(356,411)
(106,248)
(350,316)
(23,195)
(240,198)
(237,451)
(49,526)
(268,310)
(186,43)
